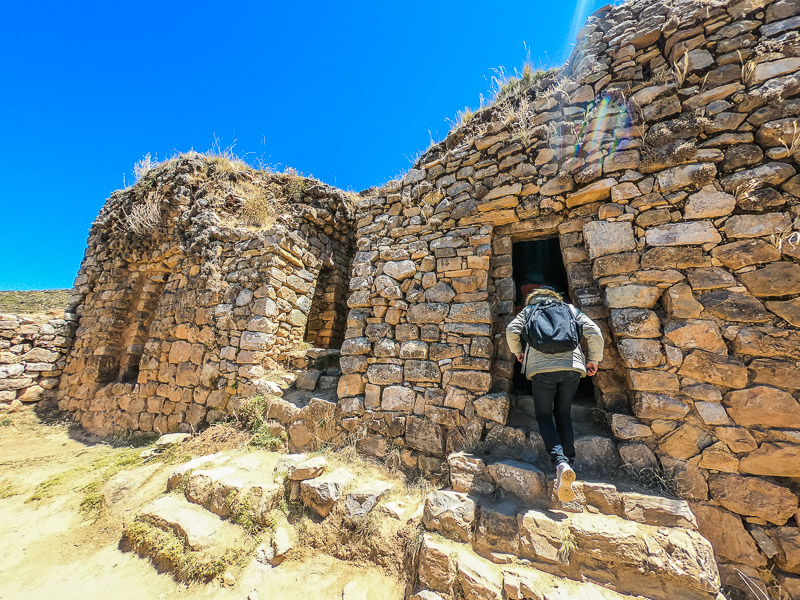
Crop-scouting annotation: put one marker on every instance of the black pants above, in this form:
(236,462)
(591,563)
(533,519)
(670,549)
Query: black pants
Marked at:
(552,399)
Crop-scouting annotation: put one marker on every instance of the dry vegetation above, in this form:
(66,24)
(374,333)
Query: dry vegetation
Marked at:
(246,195)
(37,302)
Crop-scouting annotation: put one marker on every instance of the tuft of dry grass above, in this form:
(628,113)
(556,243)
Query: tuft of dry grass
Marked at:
(792,145)
(297,185)
(744,191)
(568,545)
(655,481)
(46,488)
(748,69)
(786,236)
(7,490)
(680,69)
(167,551)
(144,166)
(144,217)
(258,208)
(218,437)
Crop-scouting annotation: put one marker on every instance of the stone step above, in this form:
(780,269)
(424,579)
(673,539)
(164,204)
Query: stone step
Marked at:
(176,476)
(445,566)
(240,488)
(527,485)
(636,544)
(596,454)
(587,419)
(198,529)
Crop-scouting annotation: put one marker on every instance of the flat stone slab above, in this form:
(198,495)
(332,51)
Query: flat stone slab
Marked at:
(657,511)
(363,499)
(519,479)
(307,469)
(246,477)
(198,528)
(126,483)
(201,461)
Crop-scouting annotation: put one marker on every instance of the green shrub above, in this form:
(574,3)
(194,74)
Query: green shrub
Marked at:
(249,412)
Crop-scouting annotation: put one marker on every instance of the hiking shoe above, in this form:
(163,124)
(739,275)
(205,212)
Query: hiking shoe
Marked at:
(565,477)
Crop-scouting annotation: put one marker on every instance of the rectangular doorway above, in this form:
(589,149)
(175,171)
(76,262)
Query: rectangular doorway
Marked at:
(536,263)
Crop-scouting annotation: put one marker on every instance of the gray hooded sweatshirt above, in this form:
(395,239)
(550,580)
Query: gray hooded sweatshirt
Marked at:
(539,362)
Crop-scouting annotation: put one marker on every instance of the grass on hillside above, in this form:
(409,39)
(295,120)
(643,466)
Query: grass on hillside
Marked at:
(36,302)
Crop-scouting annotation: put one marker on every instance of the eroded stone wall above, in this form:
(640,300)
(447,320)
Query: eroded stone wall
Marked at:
(177,320)
(32,356)
(664,157)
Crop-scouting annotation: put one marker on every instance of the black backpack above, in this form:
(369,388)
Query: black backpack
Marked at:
(551,327)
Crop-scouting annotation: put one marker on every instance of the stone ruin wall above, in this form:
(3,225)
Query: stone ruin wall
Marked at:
(175,322)
(638,156)
(32,356)
(664,159)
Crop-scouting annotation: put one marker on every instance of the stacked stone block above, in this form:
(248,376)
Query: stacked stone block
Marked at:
(31,358)
(664,159)
(175,324)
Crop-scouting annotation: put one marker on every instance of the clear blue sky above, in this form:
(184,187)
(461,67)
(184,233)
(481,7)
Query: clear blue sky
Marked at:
(347,92)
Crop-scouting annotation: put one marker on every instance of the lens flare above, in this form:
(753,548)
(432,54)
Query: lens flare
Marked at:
(603,130)
(578,19)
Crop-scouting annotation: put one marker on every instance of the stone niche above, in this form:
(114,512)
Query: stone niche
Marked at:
(177,317)
(327,316)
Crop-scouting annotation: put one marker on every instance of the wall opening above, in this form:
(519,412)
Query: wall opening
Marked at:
(126,335)
(134,337)
(328,314)
(536,263)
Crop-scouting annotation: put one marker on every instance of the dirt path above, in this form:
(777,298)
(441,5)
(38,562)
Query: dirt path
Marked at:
(49,549)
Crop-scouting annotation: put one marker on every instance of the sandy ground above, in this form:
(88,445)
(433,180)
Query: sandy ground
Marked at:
(48,549)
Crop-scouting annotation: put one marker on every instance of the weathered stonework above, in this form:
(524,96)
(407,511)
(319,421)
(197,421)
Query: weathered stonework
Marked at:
(663,157)
(32,356)
(175,321)
(689,268)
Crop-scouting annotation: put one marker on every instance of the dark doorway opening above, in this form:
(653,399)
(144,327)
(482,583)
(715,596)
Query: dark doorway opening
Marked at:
(536,263)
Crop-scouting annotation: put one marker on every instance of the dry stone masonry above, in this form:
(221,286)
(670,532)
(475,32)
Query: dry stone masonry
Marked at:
(662,158)
(32,356)
(176,320)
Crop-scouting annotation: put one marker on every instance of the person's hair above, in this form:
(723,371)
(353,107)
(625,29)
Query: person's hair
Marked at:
(543,293)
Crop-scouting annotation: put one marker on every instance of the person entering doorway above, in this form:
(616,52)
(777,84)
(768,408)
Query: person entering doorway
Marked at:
(555,377)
